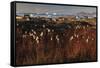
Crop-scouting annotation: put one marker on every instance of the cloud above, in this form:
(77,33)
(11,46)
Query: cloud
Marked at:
(42,8)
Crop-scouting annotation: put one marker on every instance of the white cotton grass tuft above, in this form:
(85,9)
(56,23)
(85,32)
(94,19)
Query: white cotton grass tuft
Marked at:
(41,34)
(87,40)
(51,38)
(37,39)
(71,38)
(34,32)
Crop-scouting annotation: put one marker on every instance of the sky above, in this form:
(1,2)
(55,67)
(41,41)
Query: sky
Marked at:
(59,9)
